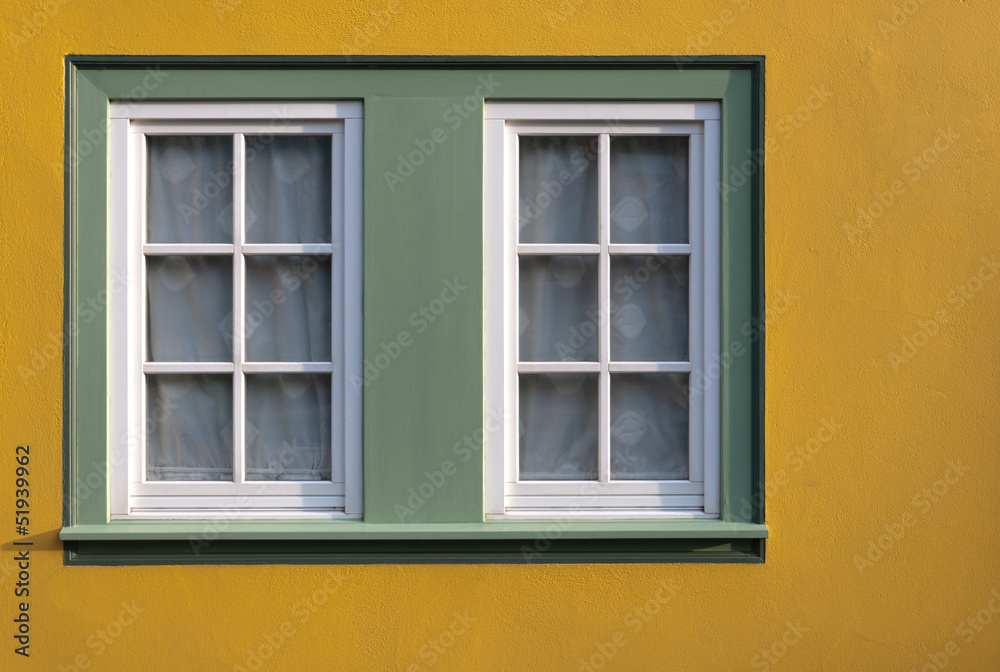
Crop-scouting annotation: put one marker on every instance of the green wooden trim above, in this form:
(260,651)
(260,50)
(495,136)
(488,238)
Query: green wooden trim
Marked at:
(527,551)
(759,295)
(737,282)
(423,276)
(235,529)
(85,327)
(306,84)
(433,394)
(424,61)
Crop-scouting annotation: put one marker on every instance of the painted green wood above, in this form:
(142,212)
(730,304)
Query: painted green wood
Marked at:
(497,83)
(737,285)
(124,553)
(423,312)
(86,282)
(420,230)
(333,61)
(579,529)
(467,551)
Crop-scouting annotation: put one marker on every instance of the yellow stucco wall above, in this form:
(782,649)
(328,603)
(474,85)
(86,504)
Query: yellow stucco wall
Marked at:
(882,365)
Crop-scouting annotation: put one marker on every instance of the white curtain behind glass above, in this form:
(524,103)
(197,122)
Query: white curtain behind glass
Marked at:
(190,309)
(558,300)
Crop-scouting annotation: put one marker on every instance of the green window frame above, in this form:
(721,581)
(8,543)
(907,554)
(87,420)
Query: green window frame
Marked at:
(423,237)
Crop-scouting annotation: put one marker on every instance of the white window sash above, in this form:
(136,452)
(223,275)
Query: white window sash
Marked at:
(131,495)
(506,496)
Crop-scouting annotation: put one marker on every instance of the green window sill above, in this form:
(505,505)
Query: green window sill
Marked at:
(355,542)
(355,530)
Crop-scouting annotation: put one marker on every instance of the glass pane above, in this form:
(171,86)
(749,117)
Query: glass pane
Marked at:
(288,188)
(557,190)
(558,314)
(288,309)
(288,427)
(649,426)
(189,190)
(189,427)
(649,189)
(649,310)
(190,309)
(558,427)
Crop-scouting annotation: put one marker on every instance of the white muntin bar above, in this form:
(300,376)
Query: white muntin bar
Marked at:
(649,367)
(188,249)
(558,367)
(239,308)
(642,248)
(604,306)
(558,248)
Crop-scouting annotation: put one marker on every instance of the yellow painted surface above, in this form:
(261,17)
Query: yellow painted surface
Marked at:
(887,83)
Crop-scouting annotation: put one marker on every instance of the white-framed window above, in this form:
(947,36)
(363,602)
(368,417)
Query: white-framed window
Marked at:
(602,293)
(235,309)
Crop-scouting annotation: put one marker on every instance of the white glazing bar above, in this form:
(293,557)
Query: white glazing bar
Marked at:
(712,338)
(604,308)
(558,248)
(338,355)
(188,367)
(628,503)
(352,365)
(141,304)
(512,347)
(571,110)
(287,367)
(119,334)
(221,127)
(559,367)
(574,488)
(577,513)
(649,367)
(675,248)
(292,248)
(696,309)
(239,275)
(153,249)
(495,327)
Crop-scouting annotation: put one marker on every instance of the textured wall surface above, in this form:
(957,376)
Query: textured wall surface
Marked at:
(882,373)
